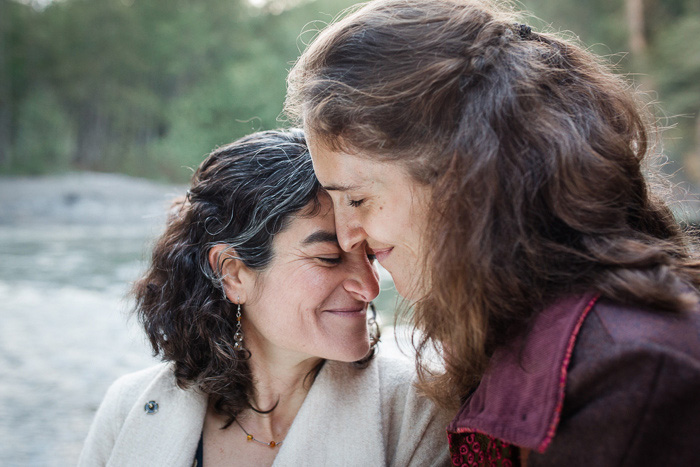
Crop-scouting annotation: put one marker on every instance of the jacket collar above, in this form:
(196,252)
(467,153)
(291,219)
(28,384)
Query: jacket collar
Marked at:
(520,396)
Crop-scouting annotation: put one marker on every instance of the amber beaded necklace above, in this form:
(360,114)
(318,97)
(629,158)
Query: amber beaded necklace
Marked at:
(250,437)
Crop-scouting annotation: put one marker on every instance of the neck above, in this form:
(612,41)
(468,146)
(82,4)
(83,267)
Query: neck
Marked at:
(286,382)
(280,380)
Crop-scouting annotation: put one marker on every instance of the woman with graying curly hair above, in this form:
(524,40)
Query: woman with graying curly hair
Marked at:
(498,173)
(267,332)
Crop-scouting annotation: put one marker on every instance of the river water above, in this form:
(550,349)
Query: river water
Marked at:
(64,336)
(69,248)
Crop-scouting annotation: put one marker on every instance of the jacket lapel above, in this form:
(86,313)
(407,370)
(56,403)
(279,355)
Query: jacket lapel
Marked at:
(339,422)
(168,436)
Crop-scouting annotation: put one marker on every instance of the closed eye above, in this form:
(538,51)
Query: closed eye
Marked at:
(329,260)
(355,203)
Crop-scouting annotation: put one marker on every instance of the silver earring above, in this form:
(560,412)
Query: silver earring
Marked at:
(238,336)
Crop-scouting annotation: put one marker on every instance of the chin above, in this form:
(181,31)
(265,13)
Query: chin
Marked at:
(350,354)
(407,281)
(408,292)
(409,285)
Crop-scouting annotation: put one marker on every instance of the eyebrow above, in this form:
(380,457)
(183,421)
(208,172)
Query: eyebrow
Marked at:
(340,187)
(320,236)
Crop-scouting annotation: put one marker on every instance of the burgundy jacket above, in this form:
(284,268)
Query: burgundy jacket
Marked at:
(594,383)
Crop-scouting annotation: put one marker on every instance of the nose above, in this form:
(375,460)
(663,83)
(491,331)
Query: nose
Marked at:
(349,231)
(363,281)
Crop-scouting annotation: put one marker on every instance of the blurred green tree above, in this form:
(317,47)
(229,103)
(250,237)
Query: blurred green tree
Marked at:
(149,87)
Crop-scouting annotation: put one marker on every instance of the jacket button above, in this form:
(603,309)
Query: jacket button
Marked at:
(151,407)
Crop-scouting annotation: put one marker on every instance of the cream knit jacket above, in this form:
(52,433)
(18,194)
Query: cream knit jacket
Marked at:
(350,417)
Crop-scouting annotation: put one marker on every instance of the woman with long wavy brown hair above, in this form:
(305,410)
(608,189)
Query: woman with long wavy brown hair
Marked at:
(262,322)
(500,175)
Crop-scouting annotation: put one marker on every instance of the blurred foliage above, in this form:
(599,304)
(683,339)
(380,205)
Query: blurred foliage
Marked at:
(141,87)
(148,87)
(667,69)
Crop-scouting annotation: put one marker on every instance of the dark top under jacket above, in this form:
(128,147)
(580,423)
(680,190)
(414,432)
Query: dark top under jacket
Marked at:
(595,383)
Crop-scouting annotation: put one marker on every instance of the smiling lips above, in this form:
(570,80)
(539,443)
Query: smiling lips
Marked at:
(383,254)
(347,311)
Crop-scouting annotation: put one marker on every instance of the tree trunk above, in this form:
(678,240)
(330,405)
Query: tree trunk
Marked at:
(635,25)
(638,45)
(91,138)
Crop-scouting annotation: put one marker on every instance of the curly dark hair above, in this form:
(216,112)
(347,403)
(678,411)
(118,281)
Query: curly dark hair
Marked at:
(536,153)
(242,195)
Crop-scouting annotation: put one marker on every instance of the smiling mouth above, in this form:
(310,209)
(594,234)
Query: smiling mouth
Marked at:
(383,254)
(348,311)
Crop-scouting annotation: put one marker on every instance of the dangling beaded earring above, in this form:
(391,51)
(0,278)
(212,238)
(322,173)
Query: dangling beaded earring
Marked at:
(238,336)
(374,330)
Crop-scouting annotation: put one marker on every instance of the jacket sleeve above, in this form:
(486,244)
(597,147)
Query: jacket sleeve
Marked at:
(627,405)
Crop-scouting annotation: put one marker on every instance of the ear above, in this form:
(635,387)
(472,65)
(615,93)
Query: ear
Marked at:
(223,261)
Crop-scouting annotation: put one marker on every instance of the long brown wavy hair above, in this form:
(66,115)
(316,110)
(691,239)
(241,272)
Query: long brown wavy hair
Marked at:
(536,152)
(242,196)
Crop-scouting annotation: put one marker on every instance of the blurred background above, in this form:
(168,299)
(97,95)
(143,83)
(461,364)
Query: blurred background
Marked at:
(107,105)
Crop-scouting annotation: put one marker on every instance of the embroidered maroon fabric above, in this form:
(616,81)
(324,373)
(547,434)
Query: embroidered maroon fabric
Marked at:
(476,449)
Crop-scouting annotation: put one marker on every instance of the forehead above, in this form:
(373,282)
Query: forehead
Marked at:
(344,172)
(339,170)
(303,229)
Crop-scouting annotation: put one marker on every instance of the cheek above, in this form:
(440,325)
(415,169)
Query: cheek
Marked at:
(315,285)
(304,287)
(389,225)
